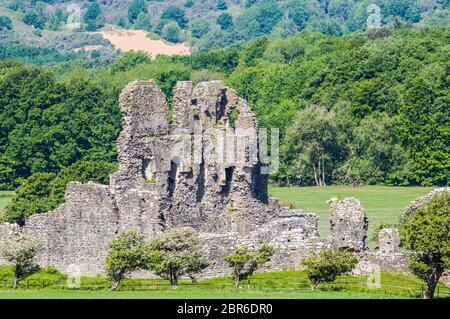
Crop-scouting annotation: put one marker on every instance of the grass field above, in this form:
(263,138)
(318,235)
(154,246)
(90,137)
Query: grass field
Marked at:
(5,197)
(286,284)
(382,204)
(191,294)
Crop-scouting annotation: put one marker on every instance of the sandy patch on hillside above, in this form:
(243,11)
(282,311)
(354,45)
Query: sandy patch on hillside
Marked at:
(137,40)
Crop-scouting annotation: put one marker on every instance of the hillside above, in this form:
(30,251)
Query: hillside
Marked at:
(202,24)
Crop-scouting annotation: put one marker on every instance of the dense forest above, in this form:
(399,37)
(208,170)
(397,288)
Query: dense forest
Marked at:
(351,110)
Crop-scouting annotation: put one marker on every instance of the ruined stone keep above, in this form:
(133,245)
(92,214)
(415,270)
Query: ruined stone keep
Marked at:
(179,172)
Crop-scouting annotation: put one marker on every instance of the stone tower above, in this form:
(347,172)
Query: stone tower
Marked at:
(188,171)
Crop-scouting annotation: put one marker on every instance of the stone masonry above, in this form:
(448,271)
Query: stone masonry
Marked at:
(179,172)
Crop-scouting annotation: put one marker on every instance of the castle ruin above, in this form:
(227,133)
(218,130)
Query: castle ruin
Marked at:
(180,172)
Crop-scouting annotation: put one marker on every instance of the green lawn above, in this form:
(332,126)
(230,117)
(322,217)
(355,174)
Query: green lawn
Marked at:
(5,197)
(285,284)
(382,204)
(190,294)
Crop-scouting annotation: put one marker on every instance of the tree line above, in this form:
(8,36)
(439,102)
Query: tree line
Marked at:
(370,109)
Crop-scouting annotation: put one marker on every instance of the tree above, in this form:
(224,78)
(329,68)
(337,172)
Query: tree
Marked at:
(5,23)
(57,20)
(427,234)
(171,32)
(327,264)
(93,11)
(310,145)
(42,192)
(189,3)
(126,254)
(245,261)
(221,5)
(143,22)
(176,252)
(34,17)
(129,60)
(199,28)
(225,21)
(175,14)
(21,252)
(91,15)
(135,8)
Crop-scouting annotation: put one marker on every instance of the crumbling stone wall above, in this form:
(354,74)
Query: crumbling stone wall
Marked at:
(348,224)
(201,169)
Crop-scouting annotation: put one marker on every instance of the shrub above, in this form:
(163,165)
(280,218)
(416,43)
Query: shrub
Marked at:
(245,261)
(427,233)
(176,252)
(326,265)
(21,253)
(5,23)
(126,254)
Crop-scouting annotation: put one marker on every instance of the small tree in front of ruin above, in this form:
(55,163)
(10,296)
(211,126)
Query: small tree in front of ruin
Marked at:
(126,254)
(427,234)
(327,264)
(21,252)
(245,261)
(174,253)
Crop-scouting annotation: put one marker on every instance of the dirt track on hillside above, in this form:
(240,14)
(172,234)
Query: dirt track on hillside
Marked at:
(137,40)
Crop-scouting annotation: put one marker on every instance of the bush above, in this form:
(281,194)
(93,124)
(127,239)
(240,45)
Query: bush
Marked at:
(126,254)
(326,265)
(174,253)
(21,253)
(427,234)
(171,32)
(245,262)
(225,21)
(5,23)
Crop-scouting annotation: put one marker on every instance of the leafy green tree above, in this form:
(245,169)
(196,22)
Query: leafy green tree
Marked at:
(326,265)
(176,252)
(225,21)
(285,51)
(126,254)
(34,196)
(245,262)
(21,252)
(168,77)
(34,17)
(199,28)
(57,20)
(135,8)
(176,14)
(143,22)
(310,144)
(5,23)
(427,234)
(91,15)
(43,192)
(189,3)
(171,32)
(221,5)
(93,11)
(301,11)
(129,60)
(285,28)
(251,52)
